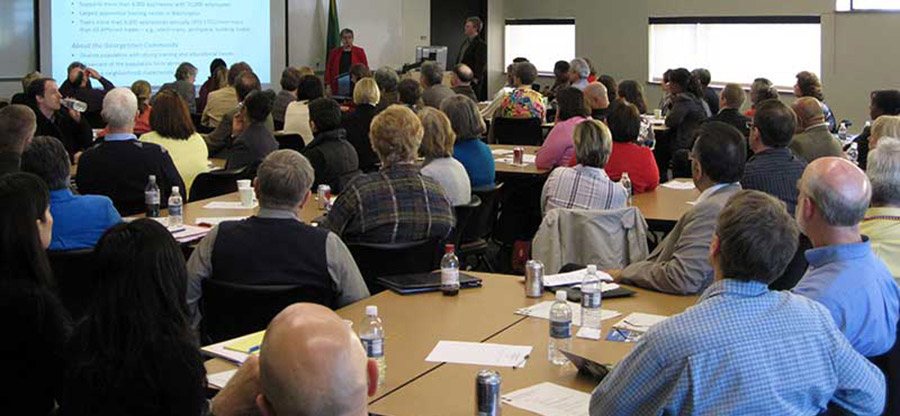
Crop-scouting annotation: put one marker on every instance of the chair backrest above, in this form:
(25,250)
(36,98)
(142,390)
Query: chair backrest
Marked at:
(218,182)
(795,269)
(290,141)
(481,223)
(517,131)
(380,260)
(463,215)
(74,274)
(231,310)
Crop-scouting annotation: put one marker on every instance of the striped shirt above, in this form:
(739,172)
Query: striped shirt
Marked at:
(582,187)
(775,171)
(395,204)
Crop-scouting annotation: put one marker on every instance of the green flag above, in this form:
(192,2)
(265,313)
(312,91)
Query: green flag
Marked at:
(333,35)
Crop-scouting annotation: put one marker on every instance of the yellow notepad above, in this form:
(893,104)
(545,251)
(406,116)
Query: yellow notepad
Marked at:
(247,344)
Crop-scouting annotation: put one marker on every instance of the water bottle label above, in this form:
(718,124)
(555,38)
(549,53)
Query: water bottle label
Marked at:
(449,277)
(152,198)
(175,210)
(561,329)
(374,347)
(591,300)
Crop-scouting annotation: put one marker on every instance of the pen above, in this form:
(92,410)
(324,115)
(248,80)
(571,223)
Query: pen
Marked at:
(521,363)
(253,349)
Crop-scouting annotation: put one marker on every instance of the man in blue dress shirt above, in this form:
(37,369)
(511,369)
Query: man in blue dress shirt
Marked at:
(744,349)
(844,273)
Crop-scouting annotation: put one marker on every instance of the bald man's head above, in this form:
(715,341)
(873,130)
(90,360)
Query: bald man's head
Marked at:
(596,95)
(809,112)
(311,363)
(463,73)
(838,190)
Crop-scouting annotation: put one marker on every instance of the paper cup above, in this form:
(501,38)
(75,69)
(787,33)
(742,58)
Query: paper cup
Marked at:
(244,183)
(246,196)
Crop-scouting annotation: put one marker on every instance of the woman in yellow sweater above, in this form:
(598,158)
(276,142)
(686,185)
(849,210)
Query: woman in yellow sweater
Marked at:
(174,131)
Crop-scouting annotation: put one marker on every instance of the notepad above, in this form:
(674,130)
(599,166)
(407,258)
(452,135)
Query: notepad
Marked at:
(229,205)
(475,353)
(679,185)
(187,233)
(219,380)
(639,322)
(247,344)
(213,221)
(550,399)
(571,278)
(542,311)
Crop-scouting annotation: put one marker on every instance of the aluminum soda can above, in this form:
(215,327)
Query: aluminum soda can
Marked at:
(534,279)
(518,155)
(487,392)
(324,196)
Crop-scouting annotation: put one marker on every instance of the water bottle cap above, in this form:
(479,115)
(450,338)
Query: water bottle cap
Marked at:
(175,190)
(561,295)
(371,310)
(153,178)
(592,268)
(449,248)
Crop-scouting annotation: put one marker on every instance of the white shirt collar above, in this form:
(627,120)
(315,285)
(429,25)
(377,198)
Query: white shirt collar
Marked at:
(711,190)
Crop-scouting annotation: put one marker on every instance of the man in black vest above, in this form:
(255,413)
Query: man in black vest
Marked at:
(275,247)
(473,52)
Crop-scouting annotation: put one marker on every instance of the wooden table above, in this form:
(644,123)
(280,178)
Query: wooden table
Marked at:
(663,205)
(509,168)
(196,209)
(449,390)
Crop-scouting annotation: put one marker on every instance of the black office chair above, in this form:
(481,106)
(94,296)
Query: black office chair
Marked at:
(463,214)
(474,237)
(290,141)
(195,119)
(74,274)
(231,310)
(381,260)
(517,131)
(889,363)
(219,182)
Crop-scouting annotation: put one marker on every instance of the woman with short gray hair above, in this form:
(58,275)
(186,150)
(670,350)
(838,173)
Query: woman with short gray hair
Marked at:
(882,220)
(585,186)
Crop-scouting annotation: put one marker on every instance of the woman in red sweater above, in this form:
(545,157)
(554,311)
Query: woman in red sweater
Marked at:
(343,57)
(627,156)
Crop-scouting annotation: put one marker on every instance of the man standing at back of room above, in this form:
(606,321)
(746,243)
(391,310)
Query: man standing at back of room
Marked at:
(473,53)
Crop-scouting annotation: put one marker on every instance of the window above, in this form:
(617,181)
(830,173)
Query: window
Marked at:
(867,5)
(542,41)
(737,49)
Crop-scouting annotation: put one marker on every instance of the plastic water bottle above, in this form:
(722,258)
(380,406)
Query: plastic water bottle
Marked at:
(151,197)
(842,132)
(449,272)
(74,104)
(626,183)
(372,336)
(560,329)
(176,213)
(853,153)
(591,299)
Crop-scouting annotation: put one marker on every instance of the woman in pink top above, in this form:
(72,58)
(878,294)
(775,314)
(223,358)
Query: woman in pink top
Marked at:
(559,149)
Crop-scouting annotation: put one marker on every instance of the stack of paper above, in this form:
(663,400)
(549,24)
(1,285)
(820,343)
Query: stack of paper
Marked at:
(229,205)
(188,233)
(679,185)
(219,380)
(235,350)
(542,311)
(213,221)
(550,399)
(571,278)
(513,356)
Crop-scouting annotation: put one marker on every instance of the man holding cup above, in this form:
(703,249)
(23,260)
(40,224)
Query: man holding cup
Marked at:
(275,247)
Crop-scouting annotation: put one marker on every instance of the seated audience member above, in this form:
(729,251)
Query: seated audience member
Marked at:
(730,102)
(22,97)
(120,166)
(290,83)
(633,92)
(185,76)
(808,85)
(598,100)
(17,126)
(882,221)
(78,220)
(627,156)
(275,247)
(296,117)
(665,102)
(523,102)
(709,94)
(461,81)
(585,186)
(469,149)
(34,322)
(745,345)
(560,80)
(174,131)
(387,80)
(760,90)
(253,135)
(579,70)
(78,86)
(218,78)
(773,168)
(558,148)
(365,97)
(845,275)
(53,120)
(488,112)
(314,341)
(396,204)
(225,99)
(882,103)
(434,92)
(223,138)
(679,264)
(358,72)
(689,110)
(884,126)
(410,94)
(437,149)
(612,88)
(141,90)
(812,139)
(332,157)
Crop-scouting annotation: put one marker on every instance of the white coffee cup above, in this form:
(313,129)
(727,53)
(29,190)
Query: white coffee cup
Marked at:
(244,183)
(247,196)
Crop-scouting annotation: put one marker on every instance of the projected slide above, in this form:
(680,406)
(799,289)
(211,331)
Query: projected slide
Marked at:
(130,40)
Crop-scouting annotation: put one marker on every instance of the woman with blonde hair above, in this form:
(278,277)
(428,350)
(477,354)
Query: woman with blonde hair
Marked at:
(366,96)
(884,126)
(437,149)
